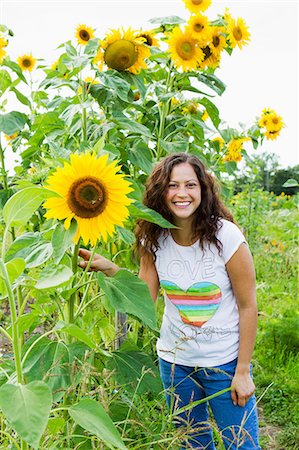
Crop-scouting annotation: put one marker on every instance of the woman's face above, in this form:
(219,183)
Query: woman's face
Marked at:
(183,195)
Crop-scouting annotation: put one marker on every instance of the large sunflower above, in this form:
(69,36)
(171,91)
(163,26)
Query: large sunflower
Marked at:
(184,49)
(196,6)
(123,50)
(199,28)
(238,34)
(83,34)
(26,62)
(92,192)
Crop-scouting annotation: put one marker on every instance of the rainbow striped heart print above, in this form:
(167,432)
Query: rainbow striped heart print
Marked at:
(196,305)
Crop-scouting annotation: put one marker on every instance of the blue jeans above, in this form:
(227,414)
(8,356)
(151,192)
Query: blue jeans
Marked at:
(238,426)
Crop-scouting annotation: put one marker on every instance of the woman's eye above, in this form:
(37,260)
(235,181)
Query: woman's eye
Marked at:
(191,185)
(171,185)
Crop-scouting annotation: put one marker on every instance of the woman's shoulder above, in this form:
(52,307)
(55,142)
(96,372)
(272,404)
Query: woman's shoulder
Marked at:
(226,227)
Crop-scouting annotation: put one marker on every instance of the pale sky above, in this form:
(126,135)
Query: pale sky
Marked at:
(263,74)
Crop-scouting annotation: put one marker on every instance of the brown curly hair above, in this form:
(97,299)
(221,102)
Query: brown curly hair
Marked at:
(206,221)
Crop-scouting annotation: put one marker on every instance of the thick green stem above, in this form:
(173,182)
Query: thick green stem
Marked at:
(84,124)
(163,113)
(14,323)
(72,300)
(3,170)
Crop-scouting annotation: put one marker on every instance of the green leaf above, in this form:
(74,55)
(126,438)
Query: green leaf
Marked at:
(140,211)
(14,268)
(128,294)
(15,68)
(132,126)
(27,409)
(20,207)
(22,98)
(141,156)
(212,110)
(175,146)
(62,239)
(168,20)
(114,81)
(12,122)
(211,81)
(53,275)
(91,416)
(49,361)
(291,182)
(129,368)
(5,80)
(75,331)
(32,248)
(125,235)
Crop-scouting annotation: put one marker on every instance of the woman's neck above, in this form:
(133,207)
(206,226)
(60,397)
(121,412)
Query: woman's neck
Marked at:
(183,235)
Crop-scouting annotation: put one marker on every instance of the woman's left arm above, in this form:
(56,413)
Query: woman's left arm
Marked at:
(241,272)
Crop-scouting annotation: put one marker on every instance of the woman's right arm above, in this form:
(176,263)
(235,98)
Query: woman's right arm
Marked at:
(147,272)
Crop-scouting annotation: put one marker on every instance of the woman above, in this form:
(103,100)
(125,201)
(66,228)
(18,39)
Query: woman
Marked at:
(208,330)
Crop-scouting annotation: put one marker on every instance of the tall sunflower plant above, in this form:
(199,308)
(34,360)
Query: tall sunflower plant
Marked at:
(101,115)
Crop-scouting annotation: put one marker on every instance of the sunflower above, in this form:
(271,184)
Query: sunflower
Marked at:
(220,141)
(199,28)
(238,34)
(211,58)
(149,38)
(3,44)
(83,34)
(26,62)
(272,122)
(123,50)
(218,41)
(184,49)
(92,192)
(204,115)
(196,6)
(234,148)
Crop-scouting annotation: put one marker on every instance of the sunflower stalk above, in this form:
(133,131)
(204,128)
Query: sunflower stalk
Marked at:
(14,321)
(3,170)
(73,297)
(163,114)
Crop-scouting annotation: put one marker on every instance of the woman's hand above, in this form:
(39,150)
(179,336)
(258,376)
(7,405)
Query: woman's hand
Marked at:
(98,263)
(242,388)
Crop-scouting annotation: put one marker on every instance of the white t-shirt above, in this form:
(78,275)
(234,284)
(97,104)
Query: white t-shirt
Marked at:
(200,324)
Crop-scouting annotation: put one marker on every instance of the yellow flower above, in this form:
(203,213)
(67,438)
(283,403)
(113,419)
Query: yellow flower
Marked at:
(3,44)
(92,192)
(149,38)
(123,50)
(11,137)
(234,149)
(184,51)
(227,15)
(190,108)
(26,62)
(199,28)
(272,122)
(238,34)
(218,41)
(204,115)
(211,59)
(83,34)
(196,6)
(220,141)
(87,82)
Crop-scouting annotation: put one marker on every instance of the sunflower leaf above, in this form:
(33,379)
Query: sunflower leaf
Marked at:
(12,122)
(140,211)
(128,294)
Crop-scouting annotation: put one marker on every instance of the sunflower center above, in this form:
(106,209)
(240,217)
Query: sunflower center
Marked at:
(84,35)
(121,55)
(207,52)
(87,197)
(26,62)
(216,41)
(198,27)
(197,2)
(275,120)
(237,33)
(185,49)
